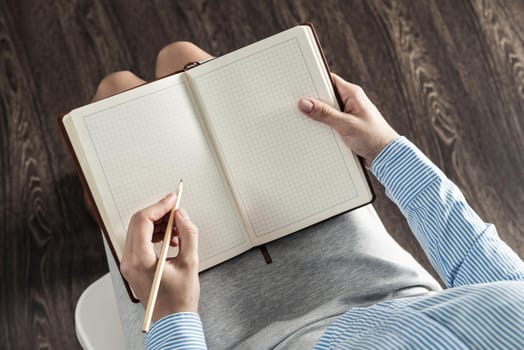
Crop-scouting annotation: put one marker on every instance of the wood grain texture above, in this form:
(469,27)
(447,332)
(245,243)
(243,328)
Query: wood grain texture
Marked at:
(448,74)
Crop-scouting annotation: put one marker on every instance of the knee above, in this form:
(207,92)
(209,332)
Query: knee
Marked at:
(175,50)
(115,83)
(115,80)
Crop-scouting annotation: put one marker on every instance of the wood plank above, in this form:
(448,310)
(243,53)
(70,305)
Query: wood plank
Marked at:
(48,237)
(491,110)
(447,74)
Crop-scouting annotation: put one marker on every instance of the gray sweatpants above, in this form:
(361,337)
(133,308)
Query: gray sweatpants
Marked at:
(316,275)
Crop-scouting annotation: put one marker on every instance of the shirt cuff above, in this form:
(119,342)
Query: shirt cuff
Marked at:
(404,171)
(182,330)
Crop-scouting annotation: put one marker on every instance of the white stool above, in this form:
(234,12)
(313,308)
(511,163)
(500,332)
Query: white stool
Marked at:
(97,323)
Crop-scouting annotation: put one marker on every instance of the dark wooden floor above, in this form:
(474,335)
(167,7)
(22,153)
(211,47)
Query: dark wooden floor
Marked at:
(448,74)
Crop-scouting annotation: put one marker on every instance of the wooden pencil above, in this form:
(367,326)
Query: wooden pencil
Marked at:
(161,262)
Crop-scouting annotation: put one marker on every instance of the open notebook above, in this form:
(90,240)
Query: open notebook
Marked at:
(254,168)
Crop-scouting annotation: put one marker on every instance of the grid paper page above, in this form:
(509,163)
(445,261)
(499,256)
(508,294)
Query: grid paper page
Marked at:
(284,166)
(145,146)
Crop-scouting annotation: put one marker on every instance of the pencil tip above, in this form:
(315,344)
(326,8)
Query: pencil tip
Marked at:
(180,180)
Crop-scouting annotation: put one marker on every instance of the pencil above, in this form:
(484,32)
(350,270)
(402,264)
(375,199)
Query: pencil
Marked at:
(161,262)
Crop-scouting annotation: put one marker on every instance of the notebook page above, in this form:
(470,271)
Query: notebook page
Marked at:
(138,145)
(287,170)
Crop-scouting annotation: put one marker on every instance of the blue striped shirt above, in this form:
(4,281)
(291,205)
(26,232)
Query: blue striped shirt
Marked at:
(483,306)
(182,330)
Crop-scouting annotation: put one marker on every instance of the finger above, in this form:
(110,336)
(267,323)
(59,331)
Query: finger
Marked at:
(350,93)
(344,86)
(187,238)
(158,237)
(142,223)
(159,209)
(323,112)
(160,227)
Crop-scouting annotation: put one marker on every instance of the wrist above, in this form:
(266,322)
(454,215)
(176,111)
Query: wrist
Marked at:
(382,145)
(383,154)
(162,310)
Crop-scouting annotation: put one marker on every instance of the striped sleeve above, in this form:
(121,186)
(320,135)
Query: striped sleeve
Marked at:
(478,316)
(461,247)
(182,330)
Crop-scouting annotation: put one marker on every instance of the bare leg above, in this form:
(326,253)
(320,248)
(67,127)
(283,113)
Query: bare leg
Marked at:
(175,56)
(116,82)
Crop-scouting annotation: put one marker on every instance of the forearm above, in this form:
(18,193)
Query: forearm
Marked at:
(182,330)
(461,247)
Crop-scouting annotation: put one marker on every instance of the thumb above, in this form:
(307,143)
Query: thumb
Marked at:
(322,112)
(187,238)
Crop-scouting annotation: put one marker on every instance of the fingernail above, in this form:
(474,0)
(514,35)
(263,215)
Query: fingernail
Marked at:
(305,105)
(183,213)
(170,194)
